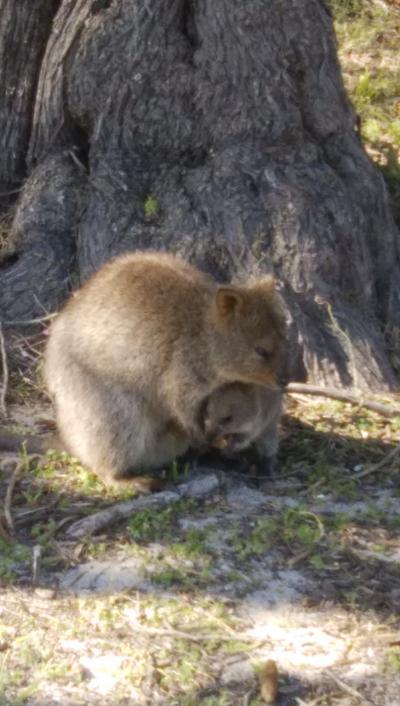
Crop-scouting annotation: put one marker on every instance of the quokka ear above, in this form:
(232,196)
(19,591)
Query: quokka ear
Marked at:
(228,301)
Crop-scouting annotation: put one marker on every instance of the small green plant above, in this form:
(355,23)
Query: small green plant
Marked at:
(150,206)
(177,473)
(43,532)
(13,556)
(260,539)
(345,9)
(366,90)
(295,527)
(317,562)
(396,423)
(393,660)
(301,527)
(193,544)
(324,478)
(150,525)
(95,550)
(170,577)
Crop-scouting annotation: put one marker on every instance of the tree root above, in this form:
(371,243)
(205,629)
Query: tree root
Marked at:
(4,364)
(198,488)
(343,396)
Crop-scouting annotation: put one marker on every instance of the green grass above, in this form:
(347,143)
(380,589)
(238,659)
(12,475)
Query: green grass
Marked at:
(393,661)
(298,529)
(368,39)
(13,556)
(153,525)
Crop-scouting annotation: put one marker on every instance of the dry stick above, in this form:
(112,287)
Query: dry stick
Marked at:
(3,408)
(348,689)
(4,535)
(377,466)
(192,637)
(121,511)
(36,562)
(30,322)
(12,191)
(180,634)
(304,388)
(8,499)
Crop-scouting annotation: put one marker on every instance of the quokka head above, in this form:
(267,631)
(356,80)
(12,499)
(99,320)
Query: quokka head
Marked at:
(229,415)
(250,333)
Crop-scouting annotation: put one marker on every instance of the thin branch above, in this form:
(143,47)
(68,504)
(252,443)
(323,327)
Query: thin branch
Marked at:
(348,689)
(4,364)
(11,191)
(191,636)
(36,562)
(30,322)
(197,488)
(4,535)
(377,466)
(8,499)
(351,397)
(77,161)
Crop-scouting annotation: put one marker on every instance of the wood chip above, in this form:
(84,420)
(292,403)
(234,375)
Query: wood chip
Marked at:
(268,677)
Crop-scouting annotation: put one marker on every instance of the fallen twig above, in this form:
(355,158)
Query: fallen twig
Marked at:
(348,689)
(10,191)
(377,466)
(8,499)
(36,562)
(351,397)
(247,697)
(191,636)
(25,516)
(4,535)
(30,322)
(4,365)
(197,488)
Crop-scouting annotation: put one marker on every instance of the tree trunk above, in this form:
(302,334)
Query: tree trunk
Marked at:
(218,129)
(24,30)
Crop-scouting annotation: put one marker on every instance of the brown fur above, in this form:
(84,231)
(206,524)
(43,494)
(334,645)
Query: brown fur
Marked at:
(237,416)
(135,351)
(39,445)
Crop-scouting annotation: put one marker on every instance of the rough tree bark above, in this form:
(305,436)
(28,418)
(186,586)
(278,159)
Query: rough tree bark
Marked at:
(218,129)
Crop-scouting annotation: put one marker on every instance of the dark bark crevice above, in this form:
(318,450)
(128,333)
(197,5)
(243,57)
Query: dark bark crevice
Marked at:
(24,30)
(189,26)
(45,226)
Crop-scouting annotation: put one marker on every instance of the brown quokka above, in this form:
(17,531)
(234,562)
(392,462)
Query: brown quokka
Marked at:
(136,350)
(237,416)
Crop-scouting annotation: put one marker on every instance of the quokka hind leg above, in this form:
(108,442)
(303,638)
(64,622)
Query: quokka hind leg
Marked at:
(169,443)
(267,443)
(107,427)
(267,449)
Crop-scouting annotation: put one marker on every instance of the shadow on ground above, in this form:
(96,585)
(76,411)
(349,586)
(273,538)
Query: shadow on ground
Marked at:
(184,603)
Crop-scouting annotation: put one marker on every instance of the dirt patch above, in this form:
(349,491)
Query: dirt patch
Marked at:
(185,603)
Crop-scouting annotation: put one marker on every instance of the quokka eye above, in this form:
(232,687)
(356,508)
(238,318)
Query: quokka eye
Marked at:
(263,353)
(226,420)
